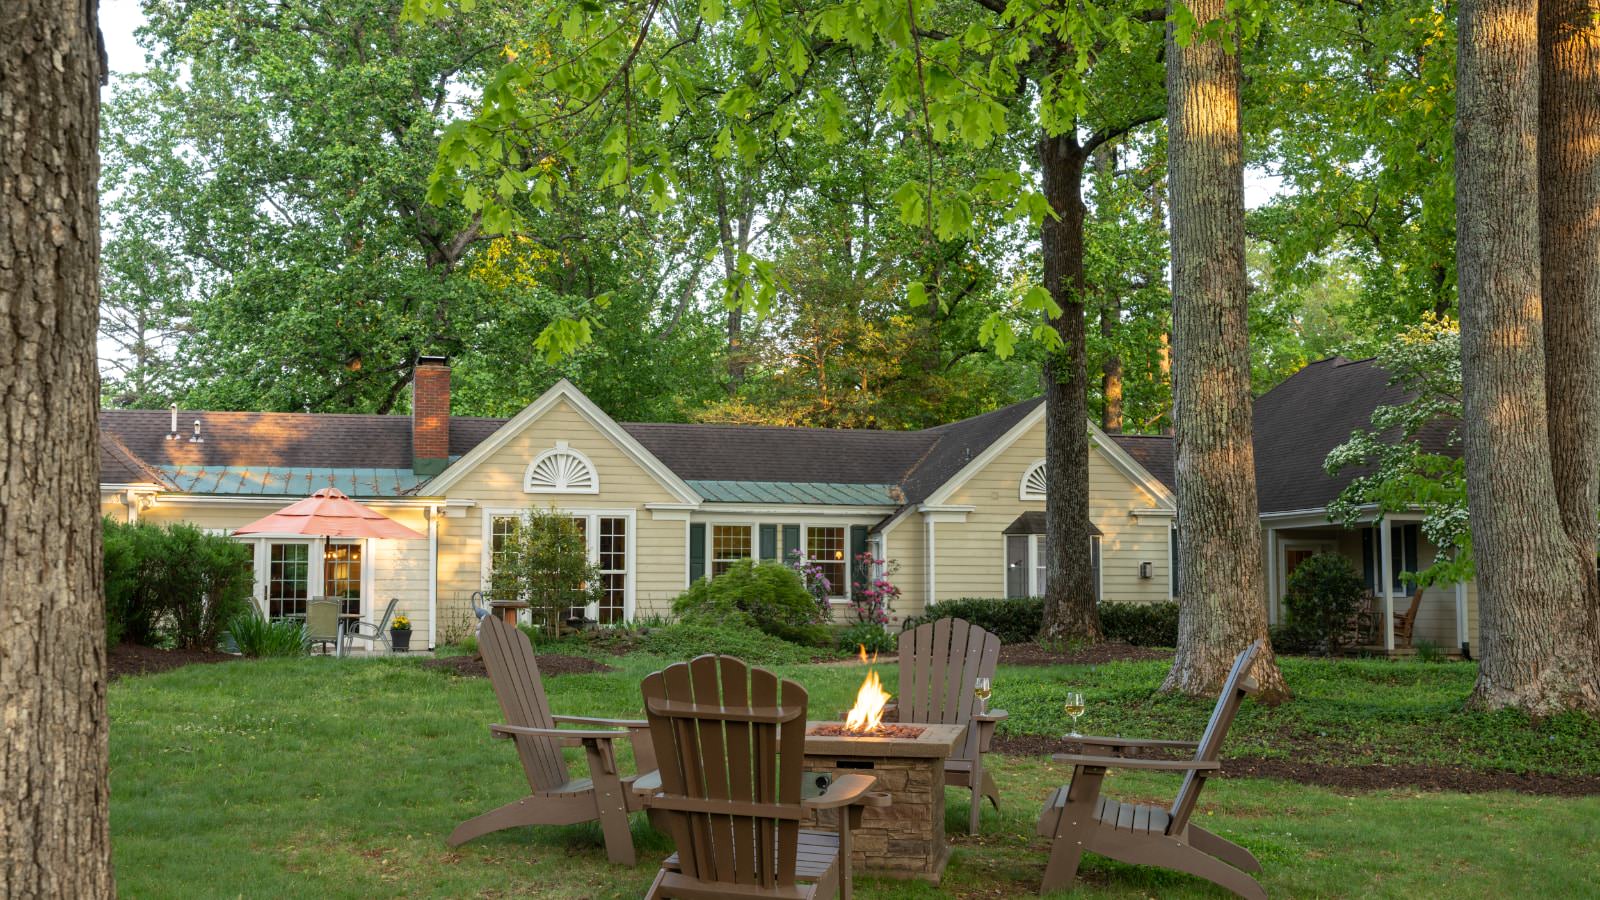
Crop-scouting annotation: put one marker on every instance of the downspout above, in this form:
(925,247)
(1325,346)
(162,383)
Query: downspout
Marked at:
(433,577)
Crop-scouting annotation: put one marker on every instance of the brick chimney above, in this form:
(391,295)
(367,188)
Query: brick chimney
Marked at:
(430,415)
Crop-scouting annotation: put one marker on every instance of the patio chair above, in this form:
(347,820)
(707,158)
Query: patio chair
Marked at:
(939,662)
(379,634)
(554,797)
(731,741)
(322,624)
(1077,818)
(1406,622)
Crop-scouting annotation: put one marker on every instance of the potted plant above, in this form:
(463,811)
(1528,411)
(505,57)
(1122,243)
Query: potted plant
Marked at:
(400,634)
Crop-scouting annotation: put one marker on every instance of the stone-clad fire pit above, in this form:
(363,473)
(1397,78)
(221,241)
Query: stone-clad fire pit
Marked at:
(906,838)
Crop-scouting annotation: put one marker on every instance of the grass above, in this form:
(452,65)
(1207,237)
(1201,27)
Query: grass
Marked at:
(340,778)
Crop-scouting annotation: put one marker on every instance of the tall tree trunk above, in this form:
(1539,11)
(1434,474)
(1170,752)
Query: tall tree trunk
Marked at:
(1069,603)
(1569,245)
(1111,369)
(1221,569)
(1530,605)
(54,840)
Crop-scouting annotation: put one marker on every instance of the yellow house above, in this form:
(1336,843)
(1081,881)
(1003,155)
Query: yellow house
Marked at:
(957,509)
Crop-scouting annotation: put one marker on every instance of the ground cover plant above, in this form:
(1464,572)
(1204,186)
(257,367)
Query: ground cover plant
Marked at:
(247,778)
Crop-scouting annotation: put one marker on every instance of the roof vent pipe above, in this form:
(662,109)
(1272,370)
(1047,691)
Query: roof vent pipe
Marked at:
(197,439)
(172,433)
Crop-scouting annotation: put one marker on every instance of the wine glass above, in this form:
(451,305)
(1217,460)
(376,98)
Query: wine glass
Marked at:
(981,690)
(1074,707)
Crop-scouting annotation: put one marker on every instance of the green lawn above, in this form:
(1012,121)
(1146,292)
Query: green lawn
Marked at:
(325,778)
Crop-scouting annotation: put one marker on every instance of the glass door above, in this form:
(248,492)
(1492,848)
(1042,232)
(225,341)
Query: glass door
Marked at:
(341,577)
(288,579)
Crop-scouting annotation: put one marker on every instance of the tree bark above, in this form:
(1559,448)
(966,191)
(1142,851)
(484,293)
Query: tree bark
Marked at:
(1530,605)
(54,839)
(1070,613)
(1222,606)
(1569,255)
(1110,370)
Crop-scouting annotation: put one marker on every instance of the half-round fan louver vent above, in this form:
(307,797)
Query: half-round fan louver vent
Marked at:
(1033,482)
(561,470)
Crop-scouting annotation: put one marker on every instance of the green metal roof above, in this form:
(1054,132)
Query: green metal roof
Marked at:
(291,481)
(809,492)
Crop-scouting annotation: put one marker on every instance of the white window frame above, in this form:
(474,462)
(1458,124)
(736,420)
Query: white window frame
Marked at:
(561,449)
(805,544)
(711,543)
(591,527)
(1035,580)
(1024,492)
(316,564)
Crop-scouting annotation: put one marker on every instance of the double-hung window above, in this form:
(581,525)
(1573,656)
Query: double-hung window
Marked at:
(730,544)
(825,546)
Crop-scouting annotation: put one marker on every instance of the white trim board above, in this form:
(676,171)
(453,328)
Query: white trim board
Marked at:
(565,390)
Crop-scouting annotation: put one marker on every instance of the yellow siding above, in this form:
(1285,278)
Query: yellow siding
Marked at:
(659,548)
(905,548)
(970,554)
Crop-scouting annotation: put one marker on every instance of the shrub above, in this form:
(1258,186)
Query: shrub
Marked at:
(1429,652)
(1141,624)
(544,561)
(1323,603)
(255,635)
(768,596)
(1015,621)
(173,582)
(686,640)
(868,635)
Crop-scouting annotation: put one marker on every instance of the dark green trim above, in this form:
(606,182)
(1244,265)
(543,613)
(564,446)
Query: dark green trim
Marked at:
(422,466)
(769,541)
(697,552)
(791,540)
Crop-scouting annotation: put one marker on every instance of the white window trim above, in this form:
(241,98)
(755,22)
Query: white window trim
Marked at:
(1035,585)
(711,543)
(630,601)
(805,541)
(561,449)
(1023,491)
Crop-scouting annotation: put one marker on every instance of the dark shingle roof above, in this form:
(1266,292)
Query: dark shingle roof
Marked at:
(957,443)
(1310,413)
(1154,452)
(770,453)
(119,465)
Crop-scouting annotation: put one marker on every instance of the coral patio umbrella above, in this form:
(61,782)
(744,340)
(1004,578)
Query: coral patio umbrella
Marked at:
(329,513)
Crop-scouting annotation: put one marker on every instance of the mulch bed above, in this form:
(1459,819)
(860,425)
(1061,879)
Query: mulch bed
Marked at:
(1370,777)
(132,659)
(1108,651)
(549,664)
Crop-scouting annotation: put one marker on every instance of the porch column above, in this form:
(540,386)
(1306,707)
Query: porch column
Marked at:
(1272,576)
(1386,568)
(932,564)
(432,513)
(1462,635)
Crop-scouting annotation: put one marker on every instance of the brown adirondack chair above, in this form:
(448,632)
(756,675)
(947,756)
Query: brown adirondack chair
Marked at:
(731,741)
(1406,622)
(939,661)
(1077,818)
(555,798)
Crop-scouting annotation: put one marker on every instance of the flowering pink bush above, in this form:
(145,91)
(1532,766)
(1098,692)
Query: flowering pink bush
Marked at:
(817,583)
(874,598)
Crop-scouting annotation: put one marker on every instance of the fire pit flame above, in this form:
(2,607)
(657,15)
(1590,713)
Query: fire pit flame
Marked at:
(867,715)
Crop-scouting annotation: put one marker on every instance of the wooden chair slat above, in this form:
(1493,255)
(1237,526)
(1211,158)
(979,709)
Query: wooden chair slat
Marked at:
(747,855)
(764,692)
(703,671)
(956,684)
(940,650)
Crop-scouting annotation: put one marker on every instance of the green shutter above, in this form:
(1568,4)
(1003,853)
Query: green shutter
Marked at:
(858,543)
(769,542)
(791,540)
(697,552)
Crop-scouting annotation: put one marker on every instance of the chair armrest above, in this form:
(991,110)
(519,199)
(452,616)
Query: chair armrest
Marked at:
(1124,762)
(607,723)
(846,790)
(558,733)
(1138,743)
(993,715)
